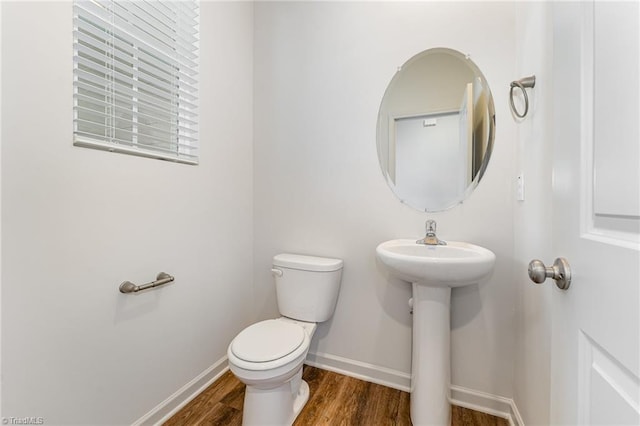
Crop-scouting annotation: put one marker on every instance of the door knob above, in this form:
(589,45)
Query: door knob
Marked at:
(560,272)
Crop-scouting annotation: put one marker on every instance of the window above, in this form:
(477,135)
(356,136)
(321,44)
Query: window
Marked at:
(136,77)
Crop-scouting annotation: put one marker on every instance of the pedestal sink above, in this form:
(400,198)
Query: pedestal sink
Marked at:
(433,270)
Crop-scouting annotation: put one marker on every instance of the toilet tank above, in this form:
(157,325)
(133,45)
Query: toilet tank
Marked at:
(307,287)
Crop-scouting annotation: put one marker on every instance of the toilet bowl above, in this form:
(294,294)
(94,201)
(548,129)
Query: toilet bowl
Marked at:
(270,351)
(268,356)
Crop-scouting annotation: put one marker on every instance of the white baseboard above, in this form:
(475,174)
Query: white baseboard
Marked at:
(360,370)
(498,406)
(167,408)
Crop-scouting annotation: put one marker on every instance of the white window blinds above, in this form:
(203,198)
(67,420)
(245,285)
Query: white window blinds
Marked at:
(136,77)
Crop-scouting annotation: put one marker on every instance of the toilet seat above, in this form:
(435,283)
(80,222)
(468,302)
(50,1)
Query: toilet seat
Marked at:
(267,341)
(268,344)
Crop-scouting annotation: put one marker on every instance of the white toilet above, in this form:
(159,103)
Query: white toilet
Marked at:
(268,356)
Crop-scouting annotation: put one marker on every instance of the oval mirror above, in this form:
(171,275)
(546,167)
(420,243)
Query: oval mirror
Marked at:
(436,126)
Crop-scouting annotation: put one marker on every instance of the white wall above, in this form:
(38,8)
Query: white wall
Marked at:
(77,222)
(321,69)
(533,220)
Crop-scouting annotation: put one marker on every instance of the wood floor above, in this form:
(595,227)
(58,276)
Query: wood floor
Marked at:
(334,400)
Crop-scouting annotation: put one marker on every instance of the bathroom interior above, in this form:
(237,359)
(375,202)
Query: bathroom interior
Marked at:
(288,103)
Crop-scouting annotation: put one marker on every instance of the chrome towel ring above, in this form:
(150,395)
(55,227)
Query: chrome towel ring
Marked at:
(523,83)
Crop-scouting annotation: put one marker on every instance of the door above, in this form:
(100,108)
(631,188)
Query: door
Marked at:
(596,214)
(465,128)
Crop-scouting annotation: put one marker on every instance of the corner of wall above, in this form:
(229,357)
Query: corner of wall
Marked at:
(532,216)
(486,403)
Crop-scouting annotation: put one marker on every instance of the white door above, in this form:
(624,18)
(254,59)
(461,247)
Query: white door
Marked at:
(596,214)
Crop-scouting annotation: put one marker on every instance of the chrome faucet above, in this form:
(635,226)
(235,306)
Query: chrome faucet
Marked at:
(430,238)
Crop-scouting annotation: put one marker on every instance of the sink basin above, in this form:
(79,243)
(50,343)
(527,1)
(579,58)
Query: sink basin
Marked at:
(453,265)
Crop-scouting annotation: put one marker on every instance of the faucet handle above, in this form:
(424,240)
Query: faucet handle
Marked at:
(430,226)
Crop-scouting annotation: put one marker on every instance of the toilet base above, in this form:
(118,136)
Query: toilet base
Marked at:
(276,406)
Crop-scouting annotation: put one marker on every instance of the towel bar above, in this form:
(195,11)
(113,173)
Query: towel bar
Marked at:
(129,287)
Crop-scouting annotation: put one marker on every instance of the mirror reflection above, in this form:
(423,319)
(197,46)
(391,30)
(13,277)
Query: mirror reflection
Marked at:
(435,129)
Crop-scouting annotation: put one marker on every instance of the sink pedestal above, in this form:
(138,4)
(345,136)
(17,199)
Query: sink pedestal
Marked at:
(433,270)
(430,360)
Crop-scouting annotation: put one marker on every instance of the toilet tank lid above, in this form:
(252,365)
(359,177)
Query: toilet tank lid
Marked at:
(307,263)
